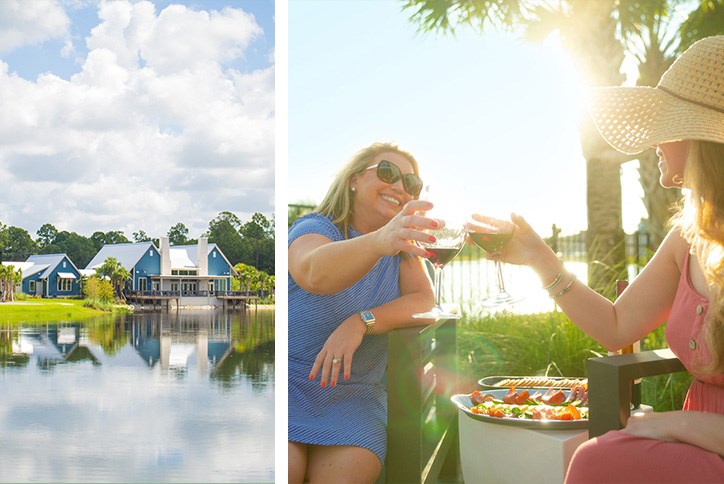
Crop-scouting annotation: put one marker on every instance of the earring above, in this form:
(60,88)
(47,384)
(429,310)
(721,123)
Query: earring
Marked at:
(353,189)
(677,180)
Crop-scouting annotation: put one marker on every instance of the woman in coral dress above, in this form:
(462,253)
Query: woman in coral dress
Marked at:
(682,285)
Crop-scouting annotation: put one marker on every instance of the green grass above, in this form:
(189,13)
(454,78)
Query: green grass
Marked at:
(549,343)
(41,310)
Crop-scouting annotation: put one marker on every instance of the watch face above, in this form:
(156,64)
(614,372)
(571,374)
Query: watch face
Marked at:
(367,316)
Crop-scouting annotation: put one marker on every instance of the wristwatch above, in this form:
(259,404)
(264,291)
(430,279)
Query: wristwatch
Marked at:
(369,319)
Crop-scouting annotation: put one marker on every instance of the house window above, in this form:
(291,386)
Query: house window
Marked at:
(174,286)
(150,253)
(222,284)
(214,254)
(63,264)
(31,286)
(65,285)
(143,284)
(184,272)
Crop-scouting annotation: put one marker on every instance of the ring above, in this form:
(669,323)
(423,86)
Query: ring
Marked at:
(335,361)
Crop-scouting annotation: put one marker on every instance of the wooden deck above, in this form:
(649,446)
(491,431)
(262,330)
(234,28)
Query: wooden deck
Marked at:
(161,299)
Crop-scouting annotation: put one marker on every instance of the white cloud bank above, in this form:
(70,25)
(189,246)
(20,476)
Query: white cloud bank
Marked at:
(156,128)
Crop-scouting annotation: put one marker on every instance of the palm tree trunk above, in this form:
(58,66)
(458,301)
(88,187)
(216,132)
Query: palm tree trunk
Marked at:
(592,39)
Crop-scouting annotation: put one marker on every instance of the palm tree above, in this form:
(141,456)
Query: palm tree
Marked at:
(114,270)
(596,33)
(9,278)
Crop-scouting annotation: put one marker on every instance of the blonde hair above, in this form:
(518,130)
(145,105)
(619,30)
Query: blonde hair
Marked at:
(701,221)
(339,201)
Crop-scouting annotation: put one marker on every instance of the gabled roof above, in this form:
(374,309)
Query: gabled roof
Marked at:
(184,256)
(50,261)
(127,254)
(34,269)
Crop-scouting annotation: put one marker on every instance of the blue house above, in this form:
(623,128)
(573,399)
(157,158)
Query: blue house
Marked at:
(200,268)
(195,274)
(141,259)
(51,275)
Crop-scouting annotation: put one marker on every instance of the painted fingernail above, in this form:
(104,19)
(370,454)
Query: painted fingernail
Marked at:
(429,255)
(323,384)
(346,377)
(311,377)
(435,224)
(432,239)
(333,384)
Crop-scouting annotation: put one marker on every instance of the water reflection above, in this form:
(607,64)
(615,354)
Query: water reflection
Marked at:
(161,397)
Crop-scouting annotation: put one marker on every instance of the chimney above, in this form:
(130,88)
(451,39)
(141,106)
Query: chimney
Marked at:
(165,257)
(202,256)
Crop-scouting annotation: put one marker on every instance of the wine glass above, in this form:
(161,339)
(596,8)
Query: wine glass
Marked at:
(491,235)
(450,238)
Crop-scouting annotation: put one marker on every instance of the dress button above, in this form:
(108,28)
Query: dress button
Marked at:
(692,344)
(699,309)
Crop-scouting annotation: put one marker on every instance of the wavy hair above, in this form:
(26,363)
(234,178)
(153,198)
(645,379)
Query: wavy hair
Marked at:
(339,201)
(701,221)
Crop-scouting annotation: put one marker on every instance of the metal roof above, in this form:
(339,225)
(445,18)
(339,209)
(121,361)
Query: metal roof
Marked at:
(127,254)
(51,261)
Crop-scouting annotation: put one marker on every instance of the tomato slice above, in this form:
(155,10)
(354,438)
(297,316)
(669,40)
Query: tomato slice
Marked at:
(511,396)
(522,397)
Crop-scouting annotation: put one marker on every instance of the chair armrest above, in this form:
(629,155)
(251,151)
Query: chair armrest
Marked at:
(609,385)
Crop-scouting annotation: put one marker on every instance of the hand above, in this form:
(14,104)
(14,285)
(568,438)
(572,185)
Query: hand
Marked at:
(523,249)
(652,425)
(400,233)
(337,352)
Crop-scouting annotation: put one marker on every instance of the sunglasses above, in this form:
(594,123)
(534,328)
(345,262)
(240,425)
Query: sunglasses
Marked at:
(388,172)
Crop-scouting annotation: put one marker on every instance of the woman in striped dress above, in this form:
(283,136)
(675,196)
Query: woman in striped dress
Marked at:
(354,274)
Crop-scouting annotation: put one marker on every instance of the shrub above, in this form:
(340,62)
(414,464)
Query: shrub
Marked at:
(100,290)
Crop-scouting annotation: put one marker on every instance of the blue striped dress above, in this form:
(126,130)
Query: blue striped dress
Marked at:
(355,411)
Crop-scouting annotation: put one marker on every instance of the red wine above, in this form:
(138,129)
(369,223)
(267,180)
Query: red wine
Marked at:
(442,255)
(490,242)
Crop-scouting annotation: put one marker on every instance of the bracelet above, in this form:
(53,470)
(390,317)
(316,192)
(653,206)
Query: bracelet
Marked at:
(567,288)
(555,282)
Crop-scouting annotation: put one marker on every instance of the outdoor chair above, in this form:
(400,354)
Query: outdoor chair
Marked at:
(422,437)
(613,391)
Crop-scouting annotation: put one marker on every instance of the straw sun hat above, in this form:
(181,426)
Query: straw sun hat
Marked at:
(688,103)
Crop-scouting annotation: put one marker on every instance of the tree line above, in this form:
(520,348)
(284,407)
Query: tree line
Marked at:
(250,243)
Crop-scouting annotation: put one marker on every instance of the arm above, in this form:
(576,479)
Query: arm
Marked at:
(696,428)
(321,266)
(416,295)
(642,307)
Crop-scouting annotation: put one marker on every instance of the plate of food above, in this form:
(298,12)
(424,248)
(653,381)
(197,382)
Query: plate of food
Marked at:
(552,409)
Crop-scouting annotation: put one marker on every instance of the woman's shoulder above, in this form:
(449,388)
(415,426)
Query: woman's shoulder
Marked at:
(314,223)
(675,247)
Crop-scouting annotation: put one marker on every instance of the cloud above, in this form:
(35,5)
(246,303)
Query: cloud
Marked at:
(164,122)
(27,23)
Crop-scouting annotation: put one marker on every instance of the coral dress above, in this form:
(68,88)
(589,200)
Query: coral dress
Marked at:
(623,458)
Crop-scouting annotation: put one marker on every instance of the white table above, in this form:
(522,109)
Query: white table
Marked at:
(494,453)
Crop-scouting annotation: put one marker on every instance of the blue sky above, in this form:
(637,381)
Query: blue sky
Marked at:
(136,115)
(487,116)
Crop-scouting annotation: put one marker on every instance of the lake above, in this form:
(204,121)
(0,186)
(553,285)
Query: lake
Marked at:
(467,282)
(183,396)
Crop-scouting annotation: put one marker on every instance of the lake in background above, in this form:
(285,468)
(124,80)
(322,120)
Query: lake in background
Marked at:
(182,396)
(468,282)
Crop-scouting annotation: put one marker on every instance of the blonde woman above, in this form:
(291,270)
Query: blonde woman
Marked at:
(354,274)
(683,284)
